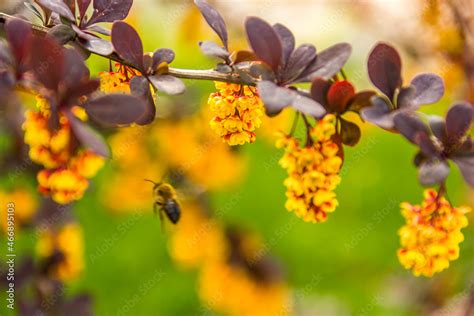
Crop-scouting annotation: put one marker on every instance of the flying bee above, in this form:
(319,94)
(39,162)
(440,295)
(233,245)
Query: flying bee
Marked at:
(166,201)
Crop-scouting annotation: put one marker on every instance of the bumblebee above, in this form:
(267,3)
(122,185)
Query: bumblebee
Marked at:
(166,201)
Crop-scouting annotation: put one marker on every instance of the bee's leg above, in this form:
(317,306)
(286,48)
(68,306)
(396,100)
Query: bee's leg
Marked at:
(157,208)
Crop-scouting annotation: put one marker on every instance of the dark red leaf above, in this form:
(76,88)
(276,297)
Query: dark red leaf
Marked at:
(243,56)
(140,87)
(83,6)
(88,137)
(47,61)
(214,19)
(19,36)
(339,95)
(328,63)
(110,10)
(458,121)
(114,110)
(264,41)
(80,89)
(75,70)
(59,7)
(360,101)
(97,45)
(319,90)
(350,133)
(299,60)
(287,40)
(384,66)
(62,33)
(127,43)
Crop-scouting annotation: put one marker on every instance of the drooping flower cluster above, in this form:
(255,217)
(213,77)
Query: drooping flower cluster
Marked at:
(431,236)
(62,251)
(313,171)
(237,111)
(117,82)
(66,168)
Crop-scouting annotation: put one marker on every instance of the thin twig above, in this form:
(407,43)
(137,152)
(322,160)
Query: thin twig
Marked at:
(176,72)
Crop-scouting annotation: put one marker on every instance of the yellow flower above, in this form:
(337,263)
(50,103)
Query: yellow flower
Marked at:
(66,168)
(63,185)
(25,206)
(63,250)
(431,236)
(237,111)
(114,82)
(87,163)
(313,172)
(197,238)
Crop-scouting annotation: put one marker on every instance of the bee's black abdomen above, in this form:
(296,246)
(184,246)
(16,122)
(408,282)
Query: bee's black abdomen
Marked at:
(172,210)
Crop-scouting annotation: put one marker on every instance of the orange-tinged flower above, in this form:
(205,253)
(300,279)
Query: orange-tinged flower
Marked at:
(114,82)
(25,206)
(237,111)
(431,236)
(63,250)
(313,172)
(63,185)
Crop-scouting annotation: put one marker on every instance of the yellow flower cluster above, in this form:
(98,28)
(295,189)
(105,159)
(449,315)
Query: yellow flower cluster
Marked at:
(63,250)
(237,111)
(201,242)
(25,206)
(114,82)
(313,172)
(66,169)
(431,236)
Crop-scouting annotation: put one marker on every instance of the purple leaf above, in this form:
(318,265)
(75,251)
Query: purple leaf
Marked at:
(88,137)
(405,98)
(458,121)
(127,43)
(140,87)
(410,126)
(62,33)
(59,7)
(168,84)
(19,36)
(110,10)
(465,163)
(307,106)
(83,6)
(328,63)
(275,98)
(98,29)
(360,101)
(287,40)
(84,88)
(264,41)
(379,113)
(75,70)
(214,19)
(47,62)
(299,60)
(212,49)
(427,146)
(438,127)
(429,88)
(432,172)
(384,66)
(162,55)
(114,110)
(98,45)
(319,90)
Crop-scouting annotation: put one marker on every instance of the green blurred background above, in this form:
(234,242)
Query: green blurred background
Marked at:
(346,266)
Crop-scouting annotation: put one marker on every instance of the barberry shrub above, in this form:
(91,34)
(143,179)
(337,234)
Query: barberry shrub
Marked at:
(63,136)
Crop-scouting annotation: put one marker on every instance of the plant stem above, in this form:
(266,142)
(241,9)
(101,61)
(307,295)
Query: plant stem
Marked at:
(176,72)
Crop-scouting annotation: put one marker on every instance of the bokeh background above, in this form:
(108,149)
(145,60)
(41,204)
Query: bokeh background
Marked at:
(346,266)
